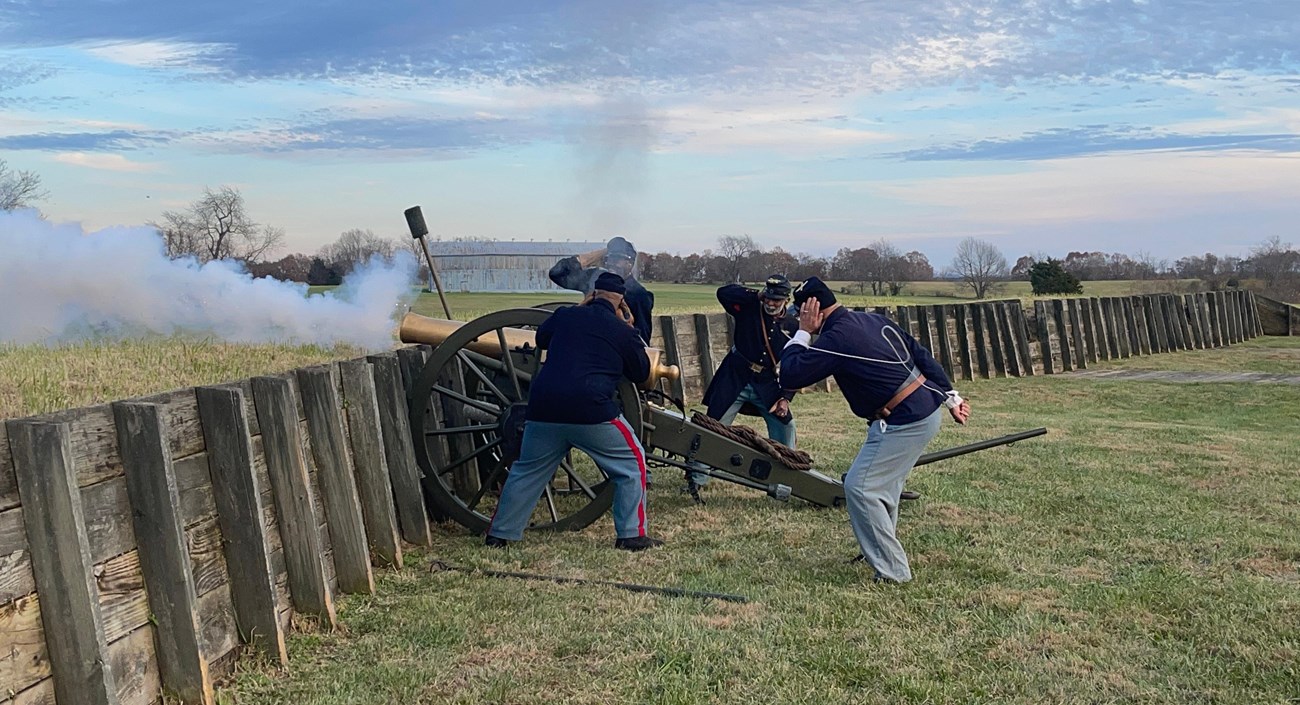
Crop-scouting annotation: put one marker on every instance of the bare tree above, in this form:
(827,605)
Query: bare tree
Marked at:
(979,265)
(217,226)
(735,250)
(354,247)
(18,189)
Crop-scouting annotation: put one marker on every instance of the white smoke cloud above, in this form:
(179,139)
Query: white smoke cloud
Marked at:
(59,284)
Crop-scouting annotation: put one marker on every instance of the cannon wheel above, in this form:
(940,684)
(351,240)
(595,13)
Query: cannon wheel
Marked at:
(467,413)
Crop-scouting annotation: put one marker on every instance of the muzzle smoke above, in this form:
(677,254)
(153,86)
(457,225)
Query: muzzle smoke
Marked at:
(59,284)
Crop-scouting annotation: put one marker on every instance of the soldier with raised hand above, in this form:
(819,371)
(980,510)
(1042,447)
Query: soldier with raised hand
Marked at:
(579,273)
(893,382)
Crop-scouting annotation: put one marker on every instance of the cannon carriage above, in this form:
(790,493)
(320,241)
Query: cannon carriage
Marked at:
(467,409)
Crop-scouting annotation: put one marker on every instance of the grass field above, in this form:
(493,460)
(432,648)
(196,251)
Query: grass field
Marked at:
(1144,551)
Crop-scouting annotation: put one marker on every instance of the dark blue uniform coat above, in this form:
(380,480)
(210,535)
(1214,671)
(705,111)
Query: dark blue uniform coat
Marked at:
(589,350)
(752,325)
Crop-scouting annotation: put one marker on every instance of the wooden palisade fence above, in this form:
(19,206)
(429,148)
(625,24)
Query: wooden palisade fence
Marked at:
(1002,339)
(145,543)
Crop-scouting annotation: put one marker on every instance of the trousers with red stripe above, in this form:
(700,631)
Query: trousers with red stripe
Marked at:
(614,448)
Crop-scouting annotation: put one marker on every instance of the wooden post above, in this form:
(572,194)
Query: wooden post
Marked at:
(905,318)
(1022,337)
(1176,322)
(1238,329)
(163,550)
(296,510)
(995,346)
(1089,333)
(1184,320)
(61,565)
(1112,335)
(704,344)
(1121,327)
(945,343)
(981,348)
(1203,313)
(240,513)
(670,350)
(1044,336)
(1193,321)
(923,329)
(1156,321)
(1062,334)
(338,489)
(963,342)
(1140,321)
(1221,303)
(411,359)
(1008,341)
(1099,322)
(394,423)
(374,488)
(1076,328)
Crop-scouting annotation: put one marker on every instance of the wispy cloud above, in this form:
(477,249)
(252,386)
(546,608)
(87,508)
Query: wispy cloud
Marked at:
(158,54)
(83,141)
(1097,139)
(104,162)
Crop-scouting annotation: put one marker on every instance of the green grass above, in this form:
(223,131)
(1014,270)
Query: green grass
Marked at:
(35,379)
(1272,354)
(1144,551)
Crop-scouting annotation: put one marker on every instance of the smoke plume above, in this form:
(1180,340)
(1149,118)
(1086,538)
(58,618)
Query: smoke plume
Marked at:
(59,284)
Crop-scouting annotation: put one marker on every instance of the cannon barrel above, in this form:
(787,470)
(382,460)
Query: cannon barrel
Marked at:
(433,331)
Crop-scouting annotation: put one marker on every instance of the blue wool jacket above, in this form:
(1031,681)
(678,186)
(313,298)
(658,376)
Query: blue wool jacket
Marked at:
(752,325)
(867,386)
(589,350)
(567,273)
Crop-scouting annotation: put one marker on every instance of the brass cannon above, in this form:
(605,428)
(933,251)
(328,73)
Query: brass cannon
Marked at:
(467,413)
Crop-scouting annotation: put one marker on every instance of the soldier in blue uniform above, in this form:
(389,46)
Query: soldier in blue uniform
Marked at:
(746,381)
(573,404)
(888,379)
(579,273)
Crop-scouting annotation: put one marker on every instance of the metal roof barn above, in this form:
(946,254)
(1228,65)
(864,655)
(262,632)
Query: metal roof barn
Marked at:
(472,266)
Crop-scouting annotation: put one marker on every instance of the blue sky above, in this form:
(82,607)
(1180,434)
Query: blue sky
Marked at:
(1170,127)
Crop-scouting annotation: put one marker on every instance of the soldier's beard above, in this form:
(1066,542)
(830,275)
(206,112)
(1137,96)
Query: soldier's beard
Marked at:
(776,309)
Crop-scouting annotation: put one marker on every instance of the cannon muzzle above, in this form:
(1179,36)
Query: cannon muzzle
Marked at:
(433,331)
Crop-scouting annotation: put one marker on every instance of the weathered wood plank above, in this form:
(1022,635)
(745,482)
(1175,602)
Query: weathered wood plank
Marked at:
(403,472)
(963,342)
(1044,337)
(16,577)
(1203,313)
(1121,327)
(1140,323)
(1008,342)
(1112,332)
(240,514)
(1194,321)
(1155,320)
(122,597)
(24,660)
(207,557)
(923,327)
(904,318)
(320,397)
(162,548)
(669,327)
(218,635)
(945,342)
(8,481)
(1062,335)
(106,510)
(134,666)
(367,440)
(1239,328)
(60,555)
(1021,329)
(704,339)
(195,487)
(1099,327)
(981,347)
(295,509)
(1076,333)
(1216,319)
(1175,322)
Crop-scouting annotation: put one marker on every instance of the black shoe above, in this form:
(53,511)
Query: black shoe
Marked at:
(637,543)
(858,559)
(495,542)
(909,495)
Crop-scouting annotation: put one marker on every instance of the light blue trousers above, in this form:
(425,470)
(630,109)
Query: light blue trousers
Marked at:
(612,445)
(782,433)
(872,487)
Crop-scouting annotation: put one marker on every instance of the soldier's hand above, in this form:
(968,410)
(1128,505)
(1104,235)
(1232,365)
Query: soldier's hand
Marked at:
(810,315)
(961,412)
(781,409)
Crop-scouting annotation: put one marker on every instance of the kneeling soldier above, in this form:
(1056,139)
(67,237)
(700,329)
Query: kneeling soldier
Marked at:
(573,404)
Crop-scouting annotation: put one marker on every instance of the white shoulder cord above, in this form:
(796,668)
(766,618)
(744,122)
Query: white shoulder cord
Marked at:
(951,399)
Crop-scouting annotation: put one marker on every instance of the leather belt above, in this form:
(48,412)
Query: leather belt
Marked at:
(753,366)
(903,393)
